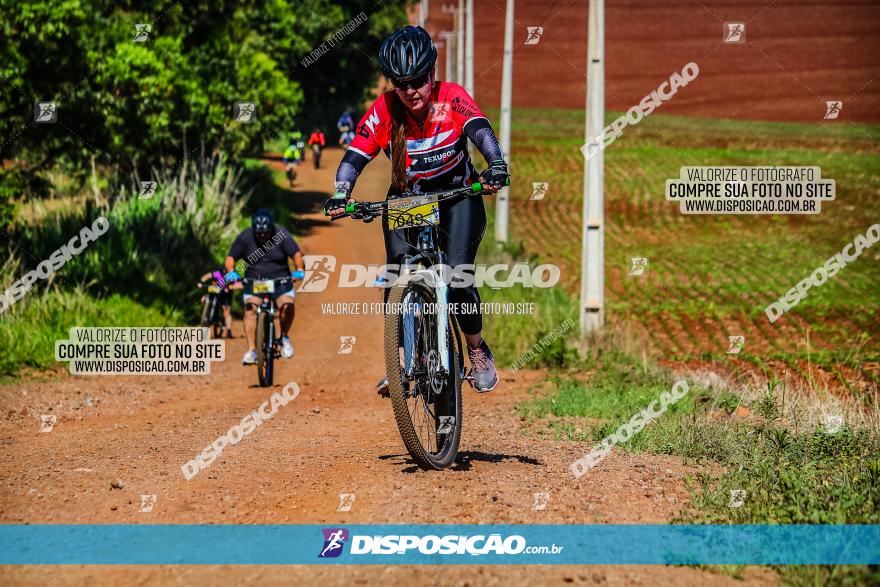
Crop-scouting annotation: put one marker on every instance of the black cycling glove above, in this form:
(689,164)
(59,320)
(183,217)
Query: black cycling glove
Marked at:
(497,174)
(337,202)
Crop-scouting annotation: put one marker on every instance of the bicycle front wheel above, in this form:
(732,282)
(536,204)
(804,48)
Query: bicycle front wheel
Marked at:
(426,398)
(265,348)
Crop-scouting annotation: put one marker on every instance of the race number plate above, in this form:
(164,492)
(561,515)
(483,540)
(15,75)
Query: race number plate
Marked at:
(264,286)
(213,289)
(413,211)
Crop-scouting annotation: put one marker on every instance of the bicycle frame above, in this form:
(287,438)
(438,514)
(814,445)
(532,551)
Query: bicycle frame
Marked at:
(429,251)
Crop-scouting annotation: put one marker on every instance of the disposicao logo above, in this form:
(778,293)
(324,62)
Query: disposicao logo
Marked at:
(334,540)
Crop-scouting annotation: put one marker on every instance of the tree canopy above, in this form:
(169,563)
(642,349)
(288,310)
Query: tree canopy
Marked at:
(131,104)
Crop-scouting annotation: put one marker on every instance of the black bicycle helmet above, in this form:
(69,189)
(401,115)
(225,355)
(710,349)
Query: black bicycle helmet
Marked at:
(262,222)
(407,54)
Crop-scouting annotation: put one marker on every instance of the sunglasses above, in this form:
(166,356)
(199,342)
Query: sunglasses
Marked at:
(415,83)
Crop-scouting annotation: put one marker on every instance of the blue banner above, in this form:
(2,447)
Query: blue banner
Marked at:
(439,544)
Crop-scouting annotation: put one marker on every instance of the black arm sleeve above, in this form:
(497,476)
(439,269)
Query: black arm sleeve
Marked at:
(349,169)
(480,132)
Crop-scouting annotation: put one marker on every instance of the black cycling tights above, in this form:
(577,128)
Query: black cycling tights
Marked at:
(462,224)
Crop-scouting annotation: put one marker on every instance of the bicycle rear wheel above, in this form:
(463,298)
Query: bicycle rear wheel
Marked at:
(218,327)
(217,320)
(426,400)
(265,348)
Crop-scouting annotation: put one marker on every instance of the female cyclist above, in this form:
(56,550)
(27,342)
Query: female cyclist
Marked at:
(423,125)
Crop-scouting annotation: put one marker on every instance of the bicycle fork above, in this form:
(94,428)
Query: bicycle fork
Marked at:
(410,336)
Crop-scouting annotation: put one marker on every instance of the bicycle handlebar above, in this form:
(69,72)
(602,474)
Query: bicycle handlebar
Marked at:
(373,208)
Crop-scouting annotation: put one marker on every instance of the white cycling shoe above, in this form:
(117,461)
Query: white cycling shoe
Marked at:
(286,347)
(249,358)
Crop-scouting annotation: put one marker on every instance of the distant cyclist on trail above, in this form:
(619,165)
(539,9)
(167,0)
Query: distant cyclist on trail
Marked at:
(297,138)
(317,142)
(224,296)
(291,158)
(434,140)
(271,246)
(345,124)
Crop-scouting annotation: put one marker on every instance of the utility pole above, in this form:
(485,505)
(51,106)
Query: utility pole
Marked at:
(449,41)
(469,63)
(423,12)
(592,310)
(502,199)
(459,44)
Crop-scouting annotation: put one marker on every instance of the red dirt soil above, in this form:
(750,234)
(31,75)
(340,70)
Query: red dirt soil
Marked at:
(337,437)
(797,55)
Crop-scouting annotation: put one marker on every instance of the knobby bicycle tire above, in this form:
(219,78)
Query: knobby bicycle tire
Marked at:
(393,321)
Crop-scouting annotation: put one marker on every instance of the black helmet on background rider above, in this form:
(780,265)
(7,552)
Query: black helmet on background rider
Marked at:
(262,224)
(407,54)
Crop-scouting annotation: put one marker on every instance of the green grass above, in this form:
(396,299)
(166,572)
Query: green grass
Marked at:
(716,271)
(29,329)
(790,476)
(513,335)
(141,272)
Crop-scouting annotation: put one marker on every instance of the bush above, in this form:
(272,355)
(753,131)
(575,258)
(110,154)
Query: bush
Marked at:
(155,248)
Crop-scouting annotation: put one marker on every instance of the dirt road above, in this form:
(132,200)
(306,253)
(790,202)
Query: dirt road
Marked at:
(336,437)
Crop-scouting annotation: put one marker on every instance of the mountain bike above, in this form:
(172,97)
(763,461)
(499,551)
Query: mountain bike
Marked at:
(267,340)
(290,170)
(424,356)
(268,343)
(212,310)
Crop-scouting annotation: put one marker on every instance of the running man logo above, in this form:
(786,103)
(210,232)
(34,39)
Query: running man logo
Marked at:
(141,32)
(439,111)
(832,423)
(734,32)
(318,270)
(832,109)
(535,33)
(47,422)
(346,344)
(737,498)
(346,500)
(539,189)
(639,264)
(147,502)
(148,189)
(334,540)
(541,501)
(45,112)
(244,111)
(446,424)
(736,344)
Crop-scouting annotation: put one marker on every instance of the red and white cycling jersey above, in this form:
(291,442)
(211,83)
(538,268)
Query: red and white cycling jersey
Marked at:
(437,156)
